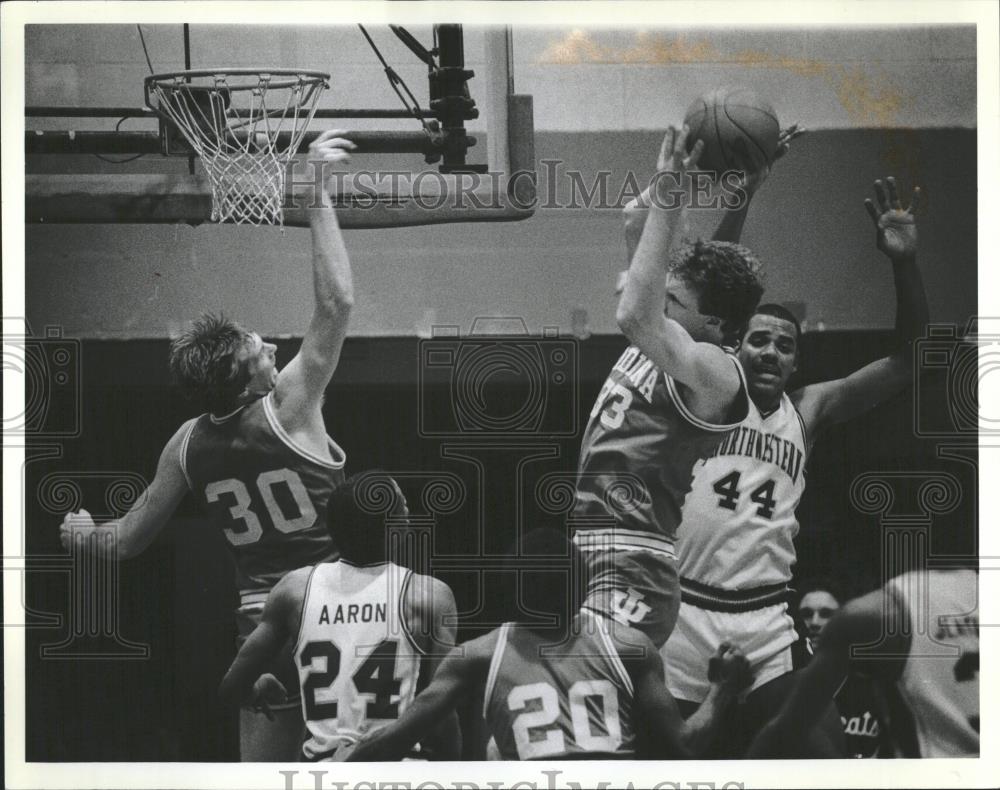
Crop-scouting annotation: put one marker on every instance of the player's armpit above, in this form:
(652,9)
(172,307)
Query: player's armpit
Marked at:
(151,511)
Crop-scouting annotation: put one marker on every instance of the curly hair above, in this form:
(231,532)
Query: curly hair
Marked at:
(204,361)
(727,279)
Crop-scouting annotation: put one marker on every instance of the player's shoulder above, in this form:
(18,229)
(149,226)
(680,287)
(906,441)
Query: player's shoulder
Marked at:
(293,585)
(633,646)
(182,432)
(481,649)
(425,591)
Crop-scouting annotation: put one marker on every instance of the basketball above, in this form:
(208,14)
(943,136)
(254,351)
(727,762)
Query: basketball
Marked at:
(731,121)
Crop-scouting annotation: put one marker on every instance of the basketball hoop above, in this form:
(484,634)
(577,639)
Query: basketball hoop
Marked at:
(244,144)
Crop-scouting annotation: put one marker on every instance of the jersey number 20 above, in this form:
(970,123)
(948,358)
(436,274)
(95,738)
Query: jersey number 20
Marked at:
(528,727)
(241,511)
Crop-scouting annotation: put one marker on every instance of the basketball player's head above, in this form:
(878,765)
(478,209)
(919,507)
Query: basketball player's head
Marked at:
(361,512)
(820,599)
(769,352)
(712,289)
(551,579)
(221,365)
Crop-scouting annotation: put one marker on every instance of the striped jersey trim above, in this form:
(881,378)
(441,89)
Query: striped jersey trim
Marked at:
(716,599)
(802,425)
(227,417)
(612,651)
(183,454)
(302,615)
(696,421)
(253,600)
(614,539)
(401,611)
(491,675)
(282,434)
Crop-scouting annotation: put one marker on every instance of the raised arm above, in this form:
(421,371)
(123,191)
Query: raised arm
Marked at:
(860,622)
(641,313)
(150,513)
(244,683)
(731,226)
(300,386)
(830,402)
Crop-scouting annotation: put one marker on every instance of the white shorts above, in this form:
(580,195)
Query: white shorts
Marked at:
(764,635)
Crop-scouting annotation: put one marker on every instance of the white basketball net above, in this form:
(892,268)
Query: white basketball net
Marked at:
(244,145)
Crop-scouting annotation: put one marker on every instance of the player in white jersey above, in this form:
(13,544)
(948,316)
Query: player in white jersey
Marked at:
(569,687)
(735,544)
(368,633)
(920,635)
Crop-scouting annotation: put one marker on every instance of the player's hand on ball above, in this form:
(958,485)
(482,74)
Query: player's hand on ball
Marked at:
(785,137)
(755,175)
(730,668)
(675,159)
(895,227)
(267,691)
(73,522)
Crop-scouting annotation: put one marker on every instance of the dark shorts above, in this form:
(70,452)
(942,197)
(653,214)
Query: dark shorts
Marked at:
(633,580)
(283,665)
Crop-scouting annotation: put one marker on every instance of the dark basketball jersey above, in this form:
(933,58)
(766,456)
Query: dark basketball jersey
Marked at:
(639,449)
(266,493)
(860,711)
(562,702)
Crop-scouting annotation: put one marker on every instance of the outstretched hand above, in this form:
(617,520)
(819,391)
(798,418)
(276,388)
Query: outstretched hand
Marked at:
(74,521)
(895,227)
(333,148)
(674,158)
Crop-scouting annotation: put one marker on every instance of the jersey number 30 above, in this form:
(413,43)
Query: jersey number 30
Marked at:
(240,510)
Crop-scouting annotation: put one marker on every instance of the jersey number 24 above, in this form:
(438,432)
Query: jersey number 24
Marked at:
(375,676)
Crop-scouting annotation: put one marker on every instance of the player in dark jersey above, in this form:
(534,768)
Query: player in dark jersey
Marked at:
(858,701)
(919,635)
(259,460)
(368,633)
(563,686)
(667,403)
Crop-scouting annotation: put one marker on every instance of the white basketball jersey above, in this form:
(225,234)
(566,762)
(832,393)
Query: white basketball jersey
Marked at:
(357,663)
(940,681)
(738,520)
